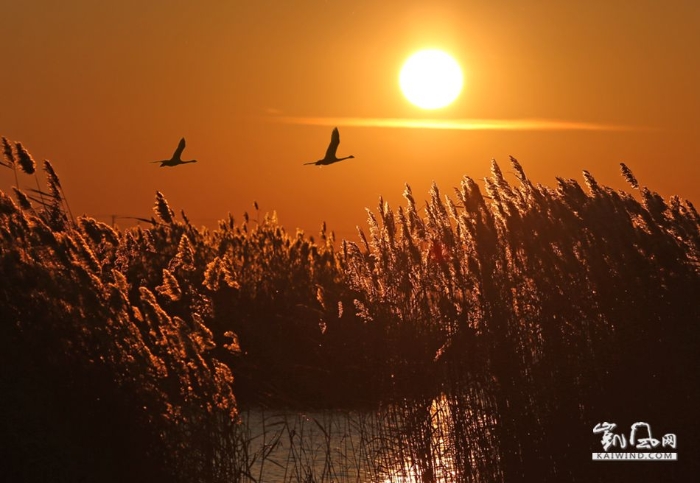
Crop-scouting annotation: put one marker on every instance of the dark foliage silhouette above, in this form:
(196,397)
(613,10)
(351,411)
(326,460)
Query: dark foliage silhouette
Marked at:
(530,314)
(546,310)
(98,381)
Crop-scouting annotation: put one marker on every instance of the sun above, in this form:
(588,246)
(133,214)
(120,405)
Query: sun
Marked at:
(431,79)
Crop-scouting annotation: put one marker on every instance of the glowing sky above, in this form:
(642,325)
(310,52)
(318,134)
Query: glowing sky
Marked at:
(102,88)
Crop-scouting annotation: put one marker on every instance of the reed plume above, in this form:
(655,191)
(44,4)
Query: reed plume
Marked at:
(9,158)
(24,202)
(7,152)
(24,159)
(170,288)
(162,209)
(629,177)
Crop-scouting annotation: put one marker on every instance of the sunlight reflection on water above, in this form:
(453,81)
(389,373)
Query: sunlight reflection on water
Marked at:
(399,444)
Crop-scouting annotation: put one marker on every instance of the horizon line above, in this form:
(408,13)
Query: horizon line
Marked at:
(524,124)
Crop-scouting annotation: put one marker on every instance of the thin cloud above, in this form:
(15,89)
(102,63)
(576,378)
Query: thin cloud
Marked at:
(273,111)
(457,124)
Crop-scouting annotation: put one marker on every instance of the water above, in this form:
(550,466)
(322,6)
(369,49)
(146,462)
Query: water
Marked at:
(320,446)
(404,443)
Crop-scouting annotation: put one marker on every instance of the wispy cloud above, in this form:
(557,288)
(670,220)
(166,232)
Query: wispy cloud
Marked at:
(457,124)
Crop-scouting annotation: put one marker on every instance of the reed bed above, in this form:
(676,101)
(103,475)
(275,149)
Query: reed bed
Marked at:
(563,306)
(478,339)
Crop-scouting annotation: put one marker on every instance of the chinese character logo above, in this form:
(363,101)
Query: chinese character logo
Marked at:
(640,438)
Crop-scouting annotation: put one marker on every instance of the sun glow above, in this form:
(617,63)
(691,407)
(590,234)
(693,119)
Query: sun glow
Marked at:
(431,79)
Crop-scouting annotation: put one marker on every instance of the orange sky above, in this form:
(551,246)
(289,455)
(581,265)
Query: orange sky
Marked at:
(101,88)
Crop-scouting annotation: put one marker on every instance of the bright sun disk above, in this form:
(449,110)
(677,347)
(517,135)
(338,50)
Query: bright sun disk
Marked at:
(431,79)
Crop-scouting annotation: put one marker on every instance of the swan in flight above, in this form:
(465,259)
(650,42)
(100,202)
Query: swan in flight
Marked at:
(330,157)
(175,160)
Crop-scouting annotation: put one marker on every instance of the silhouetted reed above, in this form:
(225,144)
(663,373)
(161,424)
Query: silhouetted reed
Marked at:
(478,339)
(563,307)
(24,159)
(99,384)
(9,158)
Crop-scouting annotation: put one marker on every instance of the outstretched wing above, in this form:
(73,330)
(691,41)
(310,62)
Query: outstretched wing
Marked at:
(179,150)
(333,146)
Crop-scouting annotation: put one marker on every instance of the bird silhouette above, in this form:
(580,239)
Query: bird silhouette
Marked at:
(330,157)
(175,160)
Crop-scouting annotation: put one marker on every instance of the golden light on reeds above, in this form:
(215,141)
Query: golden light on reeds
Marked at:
(468,354)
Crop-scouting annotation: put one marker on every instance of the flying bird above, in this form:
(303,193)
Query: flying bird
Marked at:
(175,160)
(330,157)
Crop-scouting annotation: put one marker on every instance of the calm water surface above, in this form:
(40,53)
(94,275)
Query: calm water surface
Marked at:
(408,444)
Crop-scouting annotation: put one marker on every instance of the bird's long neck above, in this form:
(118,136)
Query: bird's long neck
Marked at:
(346,157)
(190,161)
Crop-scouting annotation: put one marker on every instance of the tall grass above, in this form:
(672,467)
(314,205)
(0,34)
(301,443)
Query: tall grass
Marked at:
(564,307)
(99,382)
(480,338)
